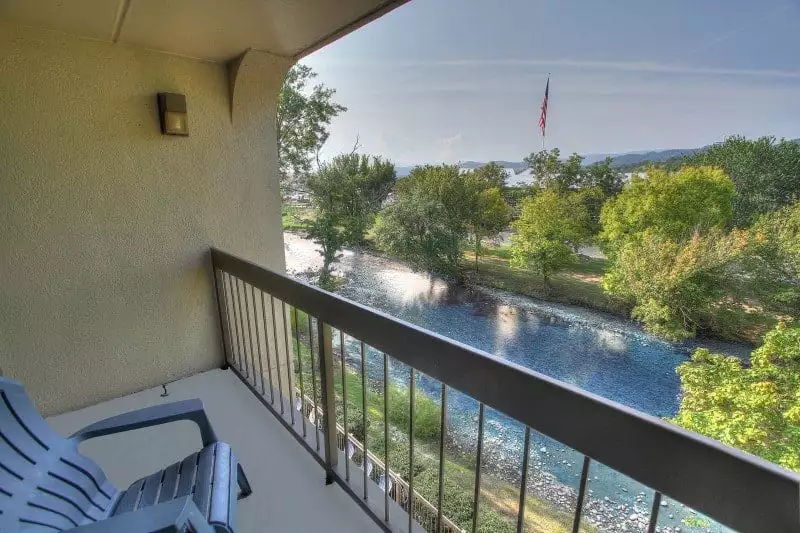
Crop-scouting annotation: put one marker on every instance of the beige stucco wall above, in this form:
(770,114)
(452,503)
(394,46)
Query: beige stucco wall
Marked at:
(105,286)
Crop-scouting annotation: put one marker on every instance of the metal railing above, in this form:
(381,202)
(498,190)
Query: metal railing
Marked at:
(256,307)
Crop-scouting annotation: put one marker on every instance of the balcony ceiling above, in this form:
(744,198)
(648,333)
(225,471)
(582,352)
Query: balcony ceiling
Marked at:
(216,30)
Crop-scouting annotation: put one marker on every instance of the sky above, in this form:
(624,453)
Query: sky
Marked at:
(455,80)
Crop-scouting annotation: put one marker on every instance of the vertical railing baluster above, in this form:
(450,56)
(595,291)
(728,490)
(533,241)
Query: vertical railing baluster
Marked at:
(266,346)
(245,316)
(258,340)
(365,454)
(478,455)
(300,370)
(442,434)
(526,450)
(277,350)
(654,512)
(228,315)
(386,436)
(314,377)
(411,388)
(249,329)
(222,313)
(325,334)
(576,524)
(236,325)
(344,408)
(243,361)
(290,389)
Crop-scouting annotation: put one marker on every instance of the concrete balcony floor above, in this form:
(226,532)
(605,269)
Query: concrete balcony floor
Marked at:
(289,492)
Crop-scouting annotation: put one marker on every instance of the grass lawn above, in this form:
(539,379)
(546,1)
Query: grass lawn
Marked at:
(296,217)
(580,285)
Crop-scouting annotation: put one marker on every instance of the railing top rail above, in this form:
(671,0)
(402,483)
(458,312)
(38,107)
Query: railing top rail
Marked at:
(735,488)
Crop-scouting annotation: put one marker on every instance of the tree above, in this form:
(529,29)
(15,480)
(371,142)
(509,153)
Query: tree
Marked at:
(673,205)
(303,117)
(549,227)
(490,216)
(347,193)
(603,176)
(549,171)
(754,408)
(493,174)
(765,173)
(437,208)
(675,286)
(773,259)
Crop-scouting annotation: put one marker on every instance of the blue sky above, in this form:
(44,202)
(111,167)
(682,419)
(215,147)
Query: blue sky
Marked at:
(450,80)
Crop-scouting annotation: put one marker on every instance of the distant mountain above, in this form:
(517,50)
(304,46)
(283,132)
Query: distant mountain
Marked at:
(625,161)
(516,165)
(636,159)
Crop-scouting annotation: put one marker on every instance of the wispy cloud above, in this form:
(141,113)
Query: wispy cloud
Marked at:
(627,66)
(447,147)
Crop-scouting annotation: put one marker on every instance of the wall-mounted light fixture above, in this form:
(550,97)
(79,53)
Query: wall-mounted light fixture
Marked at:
(172,113)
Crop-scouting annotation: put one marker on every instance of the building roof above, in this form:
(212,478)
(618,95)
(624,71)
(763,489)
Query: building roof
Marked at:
(213,30)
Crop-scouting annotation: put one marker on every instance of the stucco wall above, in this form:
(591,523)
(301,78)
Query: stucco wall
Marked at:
(105,285)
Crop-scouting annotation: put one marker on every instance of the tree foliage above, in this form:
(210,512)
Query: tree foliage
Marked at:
(596,183)
(755,408)
(304,114)
(550,172)
(765,172)
(436,209)
(550,226)
(773,259)
(675,286)
(490,215)
(603,176)
(347,193)
(493,174)
(673,205)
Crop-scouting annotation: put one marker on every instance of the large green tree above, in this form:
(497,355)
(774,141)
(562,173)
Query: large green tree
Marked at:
(596,183)
(303,117)
(668,250)
(493,174)
(549,228)
(673,205)
(755,407)
(603,176)
(549,171)
(490,215)
(347,193)
(765,172)
(436,209)
(675,286)
(773,261)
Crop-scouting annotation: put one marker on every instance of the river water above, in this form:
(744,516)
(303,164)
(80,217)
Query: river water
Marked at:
(593,351)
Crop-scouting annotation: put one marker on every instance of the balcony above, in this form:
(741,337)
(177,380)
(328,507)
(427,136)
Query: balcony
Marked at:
(290,493)
(293,350)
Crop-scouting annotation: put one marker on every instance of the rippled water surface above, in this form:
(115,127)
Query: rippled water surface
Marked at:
(596,352)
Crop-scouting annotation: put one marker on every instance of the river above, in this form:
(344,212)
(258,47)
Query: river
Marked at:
(599,353)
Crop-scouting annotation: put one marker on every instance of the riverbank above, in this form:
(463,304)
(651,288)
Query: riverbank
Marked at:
(578,285)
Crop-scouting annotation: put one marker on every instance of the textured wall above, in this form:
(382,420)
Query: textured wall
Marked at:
(105,286)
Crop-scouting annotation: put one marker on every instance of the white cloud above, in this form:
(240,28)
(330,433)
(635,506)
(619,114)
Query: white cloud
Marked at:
(447,147)
(629,66)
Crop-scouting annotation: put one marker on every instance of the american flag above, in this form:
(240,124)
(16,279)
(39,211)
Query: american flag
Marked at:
(543,117)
